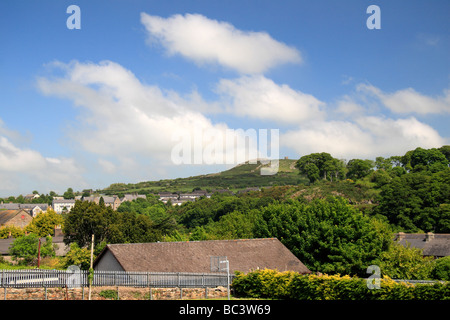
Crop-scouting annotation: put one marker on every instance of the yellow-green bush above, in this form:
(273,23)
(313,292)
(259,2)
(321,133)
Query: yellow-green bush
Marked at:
(290,285)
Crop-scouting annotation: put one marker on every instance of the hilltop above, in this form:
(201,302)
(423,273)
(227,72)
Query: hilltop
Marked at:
(242,176)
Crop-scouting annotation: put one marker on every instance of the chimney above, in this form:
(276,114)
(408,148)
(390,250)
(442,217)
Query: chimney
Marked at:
(400,236)
(429,236)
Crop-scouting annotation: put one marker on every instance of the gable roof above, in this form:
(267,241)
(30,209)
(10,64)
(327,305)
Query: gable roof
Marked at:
(432,244)
(6,215)
(195,256)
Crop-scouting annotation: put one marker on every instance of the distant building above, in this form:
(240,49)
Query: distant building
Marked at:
(250,189)
(166,196)
(18,218)
(432,244)
(30,197)
(64,205)
(110,201)
(195,256)
(32,208)
(131,197)
(178,199)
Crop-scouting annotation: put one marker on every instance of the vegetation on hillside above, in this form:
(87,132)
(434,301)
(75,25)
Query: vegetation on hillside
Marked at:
(337,217)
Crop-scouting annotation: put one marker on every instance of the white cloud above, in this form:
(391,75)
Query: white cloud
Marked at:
(260,98)
(122,118)
(107,166)
(18,160)
(366,137)
(347,106)
(205,40)
(27,170)
(135,129)
(409,100)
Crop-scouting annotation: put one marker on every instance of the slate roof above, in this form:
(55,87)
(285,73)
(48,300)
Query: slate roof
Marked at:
(17,206)
(432,244)
(194,256)
(6,215)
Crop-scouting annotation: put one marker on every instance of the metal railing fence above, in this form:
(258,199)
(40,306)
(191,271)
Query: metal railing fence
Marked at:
(61,278)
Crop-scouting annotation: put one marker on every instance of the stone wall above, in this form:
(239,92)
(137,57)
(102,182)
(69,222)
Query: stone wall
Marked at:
(108,293)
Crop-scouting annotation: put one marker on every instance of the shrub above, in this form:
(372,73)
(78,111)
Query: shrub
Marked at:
(108,294)
(441,269)
(291,285)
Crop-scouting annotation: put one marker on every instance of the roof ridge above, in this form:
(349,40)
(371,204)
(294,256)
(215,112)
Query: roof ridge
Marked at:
(193,241)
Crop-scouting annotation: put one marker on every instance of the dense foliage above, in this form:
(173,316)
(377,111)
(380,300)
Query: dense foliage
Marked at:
(25,249)
(88,218)
(327,236)
(339,221)
(290,285)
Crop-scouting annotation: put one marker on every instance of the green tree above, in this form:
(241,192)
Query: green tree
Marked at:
(312,172)
(441,269)
(69,194)
(327,236)
(417,201)
(358,168)
(77,256)
(445,150)
(399,262)
(198,234)
(44,224)
(25,249)
(15,232)
(316,165)
(87,218)
(431,159)
(235,225)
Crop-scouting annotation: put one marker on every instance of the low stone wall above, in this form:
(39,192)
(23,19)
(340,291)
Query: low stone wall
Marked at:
(109,293)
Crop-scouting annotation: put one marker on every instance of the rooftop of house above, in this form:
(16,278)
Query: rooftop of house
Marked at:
(432,244)
(194,256)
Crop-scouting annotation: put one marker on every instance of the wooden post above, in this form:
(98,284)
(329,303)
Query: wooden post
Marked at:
(92,257)
(39,254)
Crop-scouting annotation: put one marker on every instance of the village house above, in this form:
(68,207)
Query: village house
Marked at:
(179,199)
(110,201)
(131,197)
(32,208)
(194,195)
(433,244)
(30,197)
(63,205)
(166,196)
(18,218)
(195,256)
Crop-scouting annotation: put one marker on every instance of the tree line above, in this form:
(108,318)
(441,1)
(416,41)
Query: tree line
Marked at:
(325,231)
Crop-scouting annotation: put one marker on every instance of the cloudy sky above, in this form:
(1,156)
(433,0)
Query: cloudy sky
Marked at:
(84,108)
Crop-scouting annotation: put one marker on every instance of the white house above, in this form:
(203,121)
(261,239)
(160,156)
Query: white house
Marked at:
(59,206)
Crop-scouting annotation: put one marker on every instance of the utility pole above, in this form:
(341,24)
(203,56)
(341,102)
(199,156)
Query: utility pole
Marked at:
(92,256)
(39,254)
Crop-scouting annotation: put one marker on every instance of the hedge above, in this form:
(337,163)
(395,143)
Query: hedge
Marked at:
(291,285)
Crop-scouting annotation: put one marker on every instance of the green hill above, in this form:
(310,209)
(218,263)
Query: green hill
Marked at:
(239,177)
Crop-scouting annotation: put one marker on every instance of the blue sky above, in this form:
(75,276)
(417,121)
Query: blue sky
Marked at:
(84,108)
